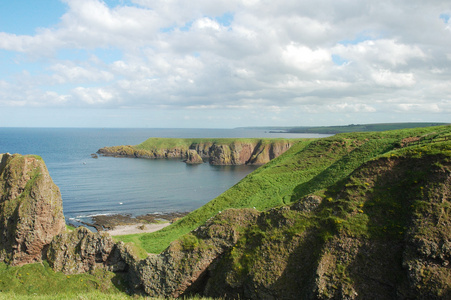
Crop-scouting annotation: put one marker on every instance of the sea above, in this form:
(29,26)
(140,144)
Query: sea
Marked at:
(132,186)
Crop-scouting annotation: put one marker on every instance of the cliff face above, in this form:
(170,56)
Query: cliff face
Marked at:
(237,152)
(184,267)
(31,211)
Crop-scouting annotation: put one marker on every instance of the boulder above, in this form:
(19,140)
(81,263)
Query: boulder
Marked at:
(31,209)
(81,250)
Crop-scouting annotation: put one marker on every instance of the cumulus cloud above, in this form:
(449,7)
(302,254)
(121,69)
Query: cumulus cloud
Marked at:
(279,57)
(390,79)
(68,72)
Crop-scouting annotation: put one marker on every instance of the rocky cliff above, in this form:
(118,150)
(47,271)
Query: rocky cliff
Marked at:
(216,151)
(81,251)
(31,211)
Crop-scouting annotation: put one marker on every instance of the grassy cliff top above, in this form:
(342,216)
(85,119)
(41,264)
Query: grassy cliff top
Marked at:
(181,143)
(309,167)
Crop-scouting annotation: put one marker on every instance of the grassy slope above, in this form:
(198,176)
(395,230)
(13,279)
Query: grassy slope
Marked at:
(310,166)
(39,281)
(396,199)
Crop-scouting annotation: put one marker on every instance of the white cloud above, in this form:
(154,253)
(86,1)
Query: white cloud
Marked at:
(390,79)
(93,96)
(207,23)
(424,107)
(345,57)
(385,52)
(306,59)
(68,72)
(350,107)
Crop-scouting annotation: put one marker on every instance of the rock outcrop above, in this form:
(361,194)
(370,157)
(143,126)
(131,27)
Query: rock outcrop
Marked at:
(31,211)
(185,266)
(81,251)
(193,157)
(231,152)
(386,234)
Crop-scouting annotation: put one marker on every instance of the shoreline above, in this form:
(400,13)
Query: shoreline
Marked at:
(120,224)
(136,228)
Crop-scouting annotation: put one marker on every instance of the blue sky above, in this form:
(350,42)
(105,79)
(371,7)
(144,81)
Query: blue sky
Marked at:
(24,16)
(223,64)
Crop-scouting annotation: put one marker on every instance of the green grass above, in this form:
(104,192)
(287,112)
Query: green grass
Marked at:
(326,167)
(184,144)
(376,202)
(69,227)
(40,279)
(94,295)
(310,166)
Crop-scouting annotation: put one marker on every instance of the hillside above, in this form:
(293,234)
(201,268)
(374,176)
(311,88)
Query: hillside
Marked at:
(310,166)
(354,216)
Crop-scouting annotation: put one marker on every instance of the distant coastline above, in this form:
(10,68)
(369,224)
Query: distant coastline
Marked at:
(345,128)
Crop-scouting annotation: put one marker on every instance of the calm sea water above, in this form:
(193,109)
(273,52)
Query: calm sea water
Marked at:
(125,185)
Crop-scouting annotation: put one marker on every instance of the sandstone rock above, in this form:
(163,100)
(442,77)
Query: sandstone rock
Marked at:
(31,211)
(81,251)
(193,157)
(185,265)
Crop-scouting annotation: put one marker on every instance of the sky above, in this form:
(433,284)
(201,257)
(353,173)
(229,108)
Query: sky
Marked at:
(223,63)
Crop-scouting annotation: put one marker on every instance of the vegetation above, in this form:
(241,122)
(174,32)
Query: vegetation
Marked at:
(349,128)
(40,279)
(170,143)
(358,204)
(398,199)
(310,166)
(360,127)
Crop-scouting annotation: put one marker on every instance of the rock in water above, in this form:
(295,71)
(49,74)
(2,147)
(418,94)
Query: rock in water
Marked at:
(193,158)
(31,209)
